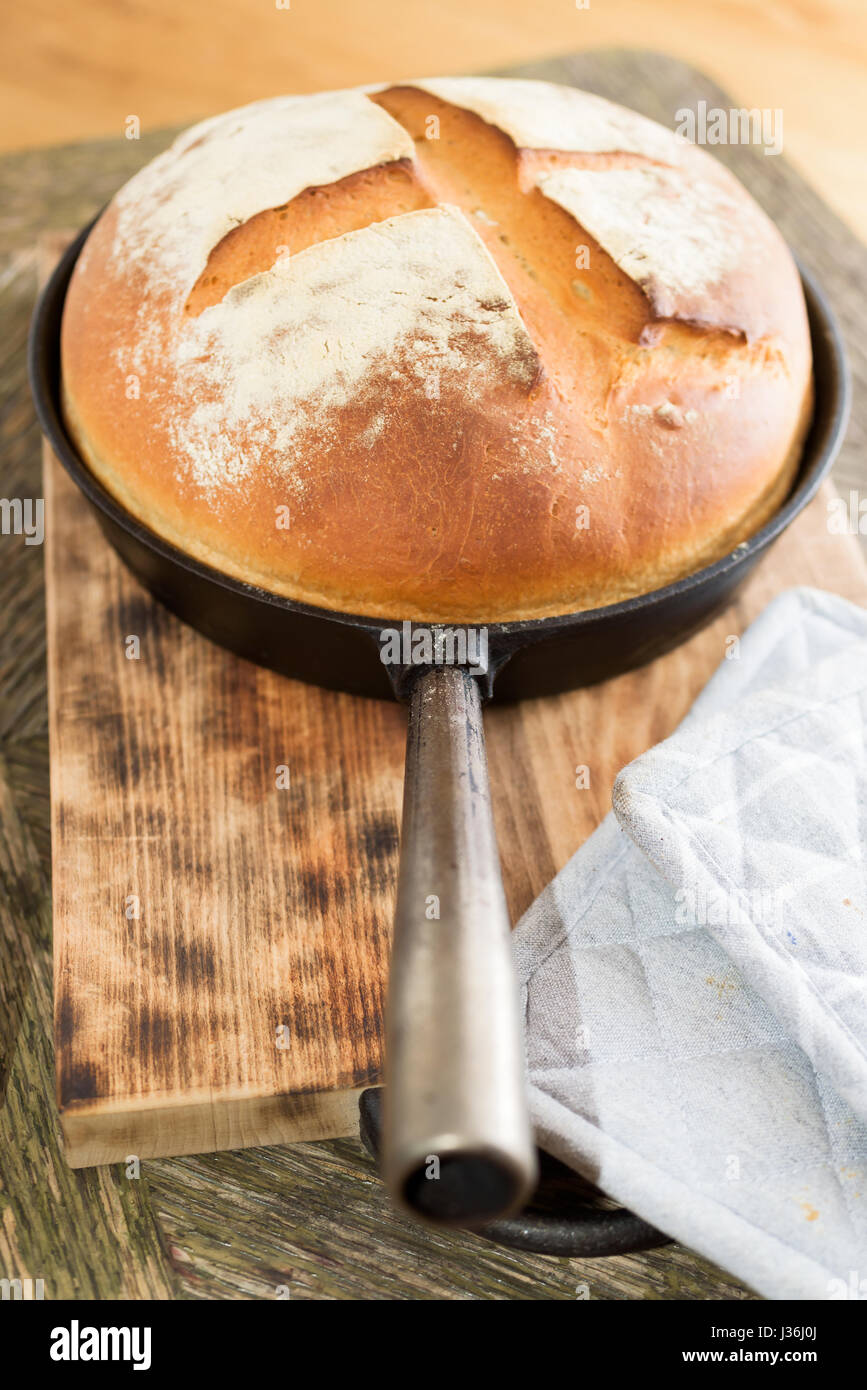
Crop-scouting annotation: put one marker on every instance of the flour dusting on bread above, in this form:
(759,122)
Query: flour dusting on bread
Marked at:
(676,238)
(221,173)
(564,118)
(290,347)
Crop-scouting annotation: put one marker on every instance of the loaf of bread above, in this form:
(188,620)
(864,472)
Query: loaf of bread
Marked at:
(455,350)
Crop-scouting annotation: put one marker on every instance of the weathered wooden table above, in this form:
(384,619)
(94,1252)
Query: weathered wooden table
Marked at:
(312,1219)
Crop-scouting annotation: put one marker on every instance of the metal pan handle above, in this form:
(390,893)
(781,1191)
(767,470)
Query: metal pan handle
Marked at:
(458,1147)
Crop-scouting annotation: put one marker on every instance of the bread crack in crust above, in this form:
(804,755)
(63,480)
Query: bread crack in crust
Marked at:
(455,350)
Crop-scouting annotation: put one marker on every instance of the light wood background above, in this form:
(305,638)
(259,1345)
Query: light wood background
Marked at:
(68,71)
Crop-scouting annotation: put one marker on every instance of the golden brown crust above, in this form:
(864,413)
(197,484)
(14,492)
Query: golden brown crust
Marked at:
(537,440)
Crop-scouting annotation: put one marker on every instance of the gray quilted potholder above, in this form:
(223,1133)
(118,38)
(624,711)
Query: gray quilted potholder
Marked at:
(695,979)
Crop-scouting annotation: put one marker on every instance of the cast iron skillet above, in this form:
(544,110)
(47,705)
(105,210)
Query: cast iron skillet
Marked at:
(456,1108)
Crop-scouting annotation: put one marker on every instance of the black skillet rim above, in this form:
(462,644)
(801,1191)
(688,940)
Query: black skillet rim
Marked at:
(44,371)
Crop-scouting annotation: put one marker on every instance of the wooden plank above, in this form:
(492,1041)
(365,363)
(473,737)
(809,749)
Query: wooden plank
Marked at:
(220,940)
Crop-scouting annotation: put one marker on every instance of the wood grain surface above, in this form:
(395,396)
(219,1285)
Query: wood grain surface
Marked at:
(224,844)
(313,1217)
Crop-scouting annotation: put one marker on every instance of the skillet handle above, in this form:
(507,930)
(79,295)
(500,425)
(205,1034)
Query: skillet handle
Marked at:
(458,1147)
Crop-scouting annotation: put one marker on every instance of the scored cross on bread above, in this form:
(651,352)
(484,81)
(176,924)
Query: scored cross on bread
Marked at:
(454,350)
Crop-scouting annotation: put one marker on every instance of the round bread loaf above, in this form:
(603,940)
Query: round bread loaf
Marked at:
(454,350)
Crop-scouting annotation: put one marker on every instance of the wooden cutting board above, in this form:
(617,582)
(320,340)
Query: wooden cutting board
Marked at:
(224,846)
